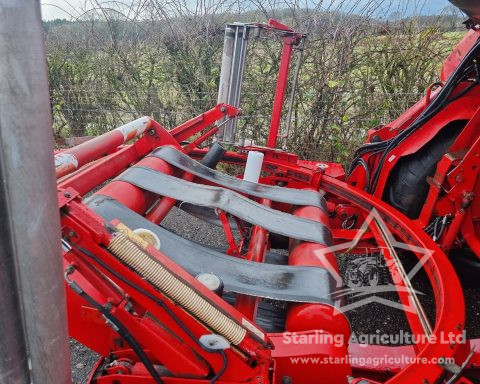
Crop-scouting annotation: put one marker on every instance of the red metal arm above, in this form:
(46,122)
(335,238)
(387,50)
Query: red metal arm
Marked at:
(288,43)
(197,124)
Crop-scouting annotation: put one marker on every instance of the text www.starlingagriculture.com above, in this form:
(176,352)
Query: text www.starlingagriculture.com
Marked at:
(371,361)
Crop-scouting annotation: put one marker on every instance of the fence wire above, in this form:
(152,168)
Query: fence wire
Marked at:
(358,71)
(90,112)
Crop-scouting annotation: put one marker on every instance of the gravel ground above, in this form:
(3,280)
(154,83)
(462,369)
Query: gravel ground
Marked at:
(369,319)
(82,360)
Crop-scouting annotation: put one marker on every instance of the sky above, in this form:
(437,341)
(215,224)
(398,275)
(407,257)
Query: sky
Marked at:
(64,9)
(60,9)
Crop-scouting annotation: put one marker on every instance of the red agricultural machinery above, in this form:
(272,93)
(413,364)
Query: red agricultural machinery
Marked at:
(159,308)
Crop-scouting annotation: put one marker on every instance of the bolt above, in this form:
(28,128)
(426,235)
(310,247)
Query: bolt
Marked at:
(151,132)
(67,194)
(322,166)
(129,307)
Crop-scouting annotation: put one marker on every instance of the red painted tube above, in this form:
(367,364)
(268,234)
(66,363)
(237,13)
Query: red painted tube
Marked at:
(161,210)
(133,197)
(454,229)
(323,319)
(72,159)
(305,317)
(288,43)
(257,247)
(165,204)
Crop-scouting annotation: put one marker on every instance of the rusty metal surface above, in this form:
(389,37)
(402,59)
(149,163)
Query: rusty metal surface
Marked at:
(33,334)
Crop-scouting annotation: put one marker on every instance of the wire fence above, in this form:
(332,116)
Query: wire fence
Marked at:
(80,112)
(356,70)
(90,112)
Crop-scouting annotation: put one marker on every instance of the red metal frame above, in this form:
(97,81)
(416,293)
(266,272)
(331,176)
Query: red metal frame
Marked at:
(258,245)
(290,40)
(83,228)
(89,231)
(454,186)
(153,318)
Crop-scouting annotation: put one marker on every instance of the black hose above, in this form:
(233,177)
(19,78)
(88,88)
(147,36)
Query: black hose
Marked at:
(465,91)
(117,326)
(157,301)
(364,164)
(460,73)
(223,369)
(463,69)
(214,155)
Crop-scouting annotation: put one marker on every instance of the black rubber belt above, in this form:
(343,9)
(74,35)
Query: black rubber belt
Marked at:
(277,282)
(206,214)
(229,201)
(279,194)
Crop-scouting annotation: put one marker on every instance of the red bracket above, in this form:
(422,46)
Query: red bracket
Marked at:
(65,195)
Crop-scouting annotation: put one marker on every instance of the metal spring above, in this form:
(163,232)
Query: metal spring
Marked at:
(150,269)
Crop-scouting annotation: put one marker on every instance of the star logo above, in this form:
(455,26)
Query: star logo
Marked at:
(401,279)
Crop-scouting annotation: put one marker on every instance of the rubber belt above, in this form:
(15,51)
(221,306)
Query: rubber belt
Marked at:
(229,201)
(278,194)
(277,282)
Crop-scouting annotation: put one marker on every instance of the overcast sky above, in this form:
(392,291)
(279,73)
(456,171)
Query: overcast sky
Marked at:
(60,9)
(64,9)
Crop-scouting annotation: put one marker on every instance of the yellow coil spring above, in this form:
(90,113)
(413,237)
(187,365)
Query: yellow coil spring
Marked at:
(150,269)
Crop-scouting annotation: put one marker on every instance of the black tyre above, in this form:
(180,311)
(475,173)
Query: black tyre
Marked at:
(467,266)
(407,186)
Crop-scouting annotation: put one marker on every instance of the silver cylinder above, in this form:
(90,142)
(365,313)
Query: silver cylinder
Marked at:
(231,75)
(30,219)
(227,56)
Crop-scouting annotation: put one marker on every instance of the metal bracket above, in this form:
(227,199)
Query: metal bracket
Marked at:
(65,195)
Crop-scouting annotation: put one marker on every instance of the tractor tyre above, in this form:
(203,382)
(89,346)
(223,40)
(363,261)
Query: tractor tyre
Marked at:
(467,266)
(407,186)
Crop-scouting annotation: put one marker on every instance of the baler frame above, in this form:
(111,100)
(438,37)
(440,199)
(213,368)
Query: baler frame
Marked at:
(155,322)
(91,232)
